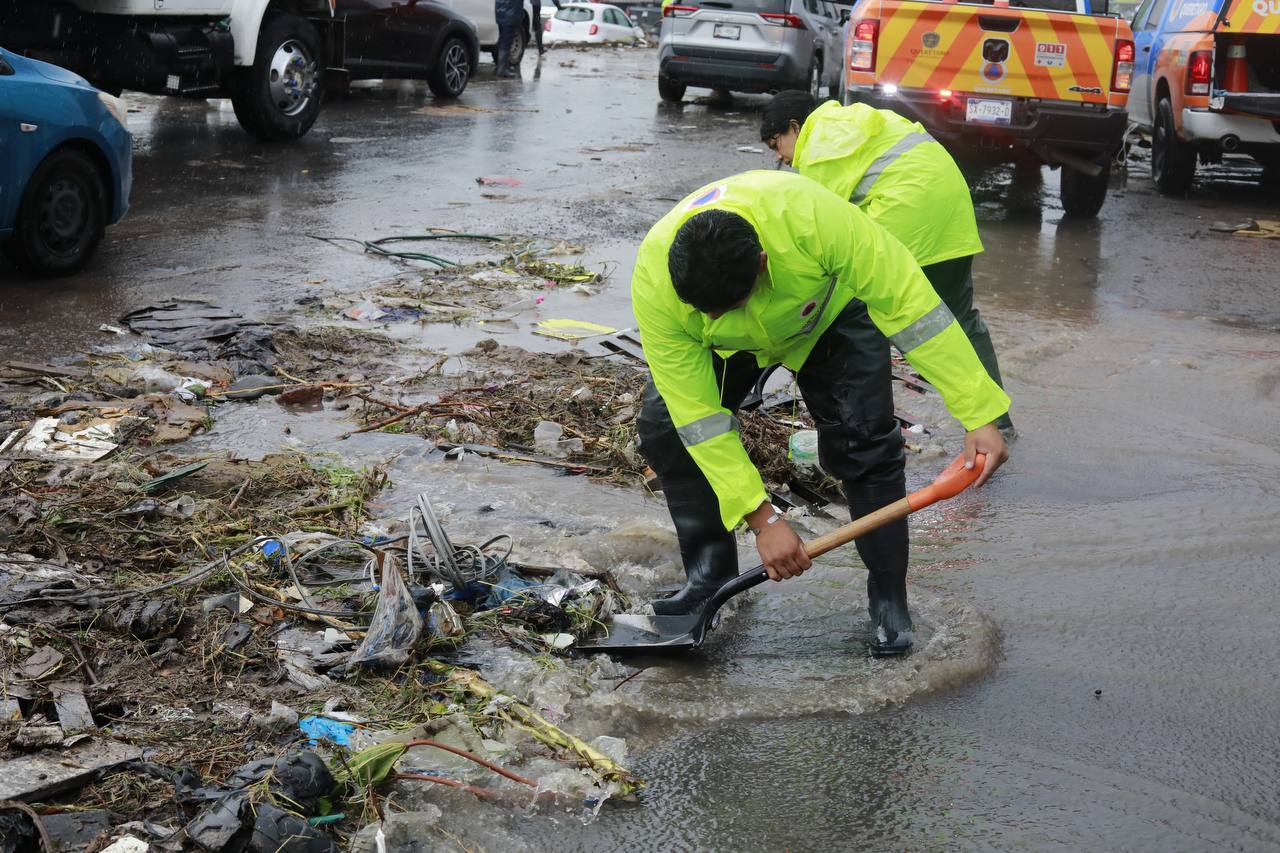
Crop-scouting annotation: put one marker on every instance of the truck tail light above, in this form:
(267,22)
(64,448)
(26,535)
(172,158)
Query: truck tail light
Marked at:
(1199,72)
(862,47)
(792,21)
(1122,74)
(678,11)
(595,28)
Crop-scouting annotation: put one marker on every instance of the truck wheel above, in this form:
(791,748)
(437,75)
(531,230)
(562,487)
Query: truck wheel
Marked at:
(1082,195)
(61,217)
(815,78)
(1173,162)
(520,44)
(452,69)
(279,96)
(670,90)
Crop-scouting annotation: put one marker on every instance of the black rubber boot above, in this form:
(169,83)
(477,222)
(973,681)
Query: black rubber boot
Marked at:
(885,553)
(504,64)
(708,550)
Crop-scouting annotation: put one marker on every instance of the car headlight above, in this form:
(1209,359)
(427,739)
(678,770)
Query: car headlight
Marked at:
(116,106)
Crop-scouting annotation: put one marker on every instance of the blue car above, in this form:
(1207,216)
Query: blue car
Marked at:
(66,165)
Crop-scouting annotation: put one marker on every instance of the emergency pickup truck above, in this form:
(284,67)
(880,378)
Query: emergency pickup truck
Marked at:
(1207,83)
(1010,81)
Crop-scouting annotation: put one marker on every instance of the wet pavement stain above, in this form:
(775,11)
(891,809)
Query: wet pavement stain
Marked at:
(1130,546)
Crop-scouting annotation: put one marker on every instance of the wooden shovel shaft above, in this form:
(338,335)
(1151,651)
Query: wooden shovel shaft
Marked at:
(867,523)
(954,479)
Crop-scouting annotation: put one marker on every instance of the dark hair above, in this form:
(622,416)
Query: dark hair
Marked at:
(787,106)
(714,260)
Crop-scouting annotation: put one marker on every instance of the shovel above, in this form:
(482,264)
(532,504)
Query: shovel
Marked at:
(636,634)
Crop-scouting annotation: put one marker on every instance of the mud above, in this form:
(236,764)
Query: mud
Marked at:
(1100,635)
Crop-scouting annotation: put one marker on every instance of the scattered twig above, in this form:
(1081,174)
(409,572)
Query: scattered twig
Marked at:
(482,793)
(239,493)
(502,771)
(639,671)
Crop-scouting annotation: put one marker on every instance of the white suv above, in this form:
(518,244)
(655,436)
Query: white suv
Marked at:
(750,46)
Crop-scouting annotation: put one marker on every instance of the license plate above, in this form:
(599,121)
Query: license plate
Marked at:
(727,31)
(983,111)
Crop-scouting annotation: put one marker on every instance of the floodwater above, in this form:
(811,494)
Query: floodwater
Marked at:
(1098,666)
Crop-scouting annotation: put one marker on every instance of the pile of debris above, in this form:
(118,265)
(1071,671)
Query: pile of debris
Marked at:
(135,687)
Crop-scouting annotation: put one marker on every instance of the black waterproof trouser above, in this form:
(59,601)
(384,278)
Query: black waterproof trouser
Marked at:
(507,34)
(848,390)
(953,280)
(537,24)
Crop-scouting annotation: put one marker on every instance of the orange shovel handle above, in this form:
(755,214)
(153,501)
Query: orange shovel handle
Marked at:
(953,480)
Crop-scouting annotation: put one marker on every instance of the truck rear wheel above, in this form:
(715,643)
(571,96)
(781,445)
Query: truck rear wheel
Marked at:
(61,217)
(1082,195)
(279,97)
(670,90)
(1173,162)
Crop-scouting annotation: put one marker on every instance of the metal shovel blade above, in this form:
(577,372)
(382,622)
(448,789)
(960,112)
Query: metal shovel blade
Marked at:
(629,632)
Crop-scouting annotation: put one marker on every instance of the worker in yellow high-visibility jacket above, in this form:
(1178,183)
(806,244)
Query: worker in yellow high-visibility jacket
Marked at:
(900,177)
(770,267)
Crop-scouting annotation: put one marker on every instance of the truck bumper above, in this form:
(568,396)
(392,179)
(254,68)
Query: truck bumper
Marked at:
(1204,125)
(1039,126)
(760,73)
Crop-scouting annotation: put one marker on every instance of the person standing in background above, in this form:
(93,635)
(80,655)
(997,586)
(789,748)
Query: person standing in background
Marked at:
(537,22)
(509,14)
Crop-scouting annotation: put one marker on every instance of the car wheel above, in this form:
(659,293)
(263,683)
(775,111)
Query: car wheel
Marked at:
(452,69)
(815,78)
(670,90)
(279,96)
(520,44)
(1173,162)
(61,217)
(1082,195)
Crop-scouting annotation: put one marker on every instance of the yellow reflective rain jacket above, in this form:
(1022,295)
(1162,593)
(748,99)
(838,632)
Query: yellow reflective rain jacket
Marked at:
(896,172)
(822,253)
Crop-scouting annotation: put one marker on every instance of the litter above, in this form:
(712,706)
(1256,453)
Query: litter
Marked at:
(49,438)
(38,776)
(317,728)
(497,181)
(571,330)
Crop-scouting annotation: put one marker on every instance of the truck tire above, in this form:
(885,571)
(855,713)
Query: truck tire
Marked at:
(452,70)
(1082,195)
(670,90)
(1173,162)
(518,46)
(279,97)
(61,217)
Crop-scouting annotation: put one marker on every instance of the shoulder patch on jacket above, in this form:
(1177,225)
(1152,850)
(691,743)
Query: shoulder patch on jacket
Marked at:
(711,195)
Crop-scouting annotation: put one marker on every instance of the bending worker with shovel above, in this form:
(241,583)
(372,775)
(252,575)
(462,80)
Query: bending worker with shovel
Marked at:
(770,267)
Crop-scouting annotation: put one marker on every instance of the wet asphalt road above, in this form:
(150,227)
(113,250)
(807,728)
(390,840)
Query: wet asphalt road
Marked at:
(1130,546)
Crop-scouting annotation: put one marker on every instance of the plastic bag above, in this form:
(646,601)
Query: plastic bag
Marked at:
(396,625)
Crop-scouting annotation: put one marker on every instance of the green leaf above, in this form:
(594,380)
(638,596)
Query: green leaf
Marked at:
(370,766)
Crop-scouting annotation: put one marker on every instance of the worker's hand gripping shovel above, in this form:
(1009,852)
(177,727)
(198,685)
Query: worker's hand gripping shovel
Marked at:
(630,633)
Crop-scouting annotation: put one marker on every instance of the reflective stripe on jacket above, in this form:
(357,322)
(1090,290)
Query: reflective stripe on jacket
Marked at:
(896,172)
(822,253)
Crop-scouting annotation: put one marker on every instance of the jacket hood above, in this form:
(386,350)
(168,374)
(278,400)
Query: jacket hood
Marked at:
(832,132)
